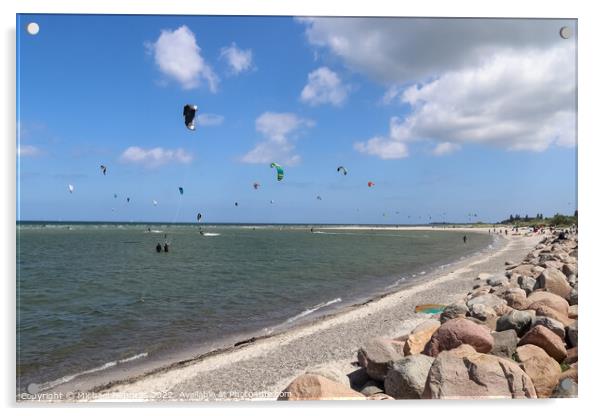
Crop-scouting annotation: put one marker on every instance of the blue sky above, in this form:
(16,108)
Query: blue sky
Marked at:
(443,115)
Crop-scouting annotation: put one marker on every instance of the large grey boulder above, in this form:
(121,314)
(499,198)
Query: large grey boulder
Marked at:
(519,321)
(377,356)
(407,377)
(497,304)
(455,310)
(497,281)
(527,283)
(504,343)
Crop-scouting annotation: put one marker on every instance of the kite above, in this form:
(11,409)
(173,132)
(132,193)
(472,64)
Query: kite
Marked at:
(189,113)
(279,170)
(342,169)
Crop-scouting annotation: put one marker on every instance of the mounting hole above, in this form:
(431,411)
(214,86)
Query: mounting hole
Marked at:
(565,32)
(33,28)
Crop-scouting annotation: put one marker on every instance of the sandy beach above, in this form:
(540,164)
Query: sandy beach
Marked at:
(260,369)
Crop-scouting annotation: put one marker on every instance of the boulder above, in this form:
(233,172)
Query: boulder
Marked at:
(372,387)
(565,389)
(377,356)
(549,299)
(407,377)
(572,280)
(480,291)
(524,270)
(497,280)
(573,311)
(482,312)
(316,387)
(420,336)
(571,334)
(519,321)
(551,343)
(573,297)
(553,280)
(455,310)
(572,355)
(380,396)
(526,283)
(331,372)
(463,373)
(552,324)
(504,343)
(497,304)
(552,313)
(456,332)
(543,370)
(516,298)
(552,264)
(569,269)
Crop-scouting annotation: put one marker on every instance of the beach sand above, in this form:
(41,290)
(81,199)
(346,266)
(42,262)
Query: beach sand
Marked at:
(262,368)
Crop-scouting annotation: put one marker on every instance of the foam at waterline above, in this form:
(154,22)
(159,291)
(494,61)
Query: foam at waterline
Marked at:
(312,310)
(51,384)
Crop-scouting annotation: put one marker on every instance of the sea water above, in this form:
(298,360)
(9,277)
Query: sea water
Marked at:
(94,296)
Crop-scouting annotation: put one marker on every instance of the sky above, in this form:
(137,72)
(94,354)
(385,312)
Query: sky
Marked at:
(447,117)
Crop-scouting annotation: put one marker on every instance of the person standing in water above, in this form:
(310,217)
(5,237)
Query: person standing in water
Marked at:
(166,247)
(158,248)
(464,238)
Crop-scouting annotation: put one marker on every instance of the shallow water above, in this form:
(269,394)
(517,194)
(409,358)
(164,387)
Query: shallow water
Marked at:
(90,295)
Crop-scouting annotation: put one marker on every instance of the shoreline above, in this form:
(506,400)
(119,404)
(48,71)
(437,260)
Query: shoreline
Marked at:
(179,376)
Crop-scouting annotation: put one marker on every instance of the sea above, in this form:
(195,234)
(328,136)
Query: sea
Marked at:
(98,296)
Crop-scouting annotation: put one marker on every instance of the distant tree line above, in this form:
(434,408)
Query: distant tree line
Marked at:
(557,219)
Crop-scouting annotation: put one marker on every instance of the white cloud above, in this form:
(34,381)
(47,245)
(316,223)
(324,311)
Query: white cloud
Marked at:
(384,148)
(155,157)
(445,148)
(516,101)
(179,57)
(278,130)
(391,147)
(401,50)
(210,119)
(509,83)
(324,87)
(28,150)
(239,60)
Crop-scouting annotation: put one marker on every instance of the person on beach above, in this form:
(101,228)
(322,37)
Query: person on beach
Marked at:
(158,248)
(166,247)
(506,230)
(464,238)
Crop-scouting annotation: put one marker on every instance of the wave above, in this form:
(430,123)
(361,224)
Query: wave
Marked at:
(51,384)
(211,234)
(312,310)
